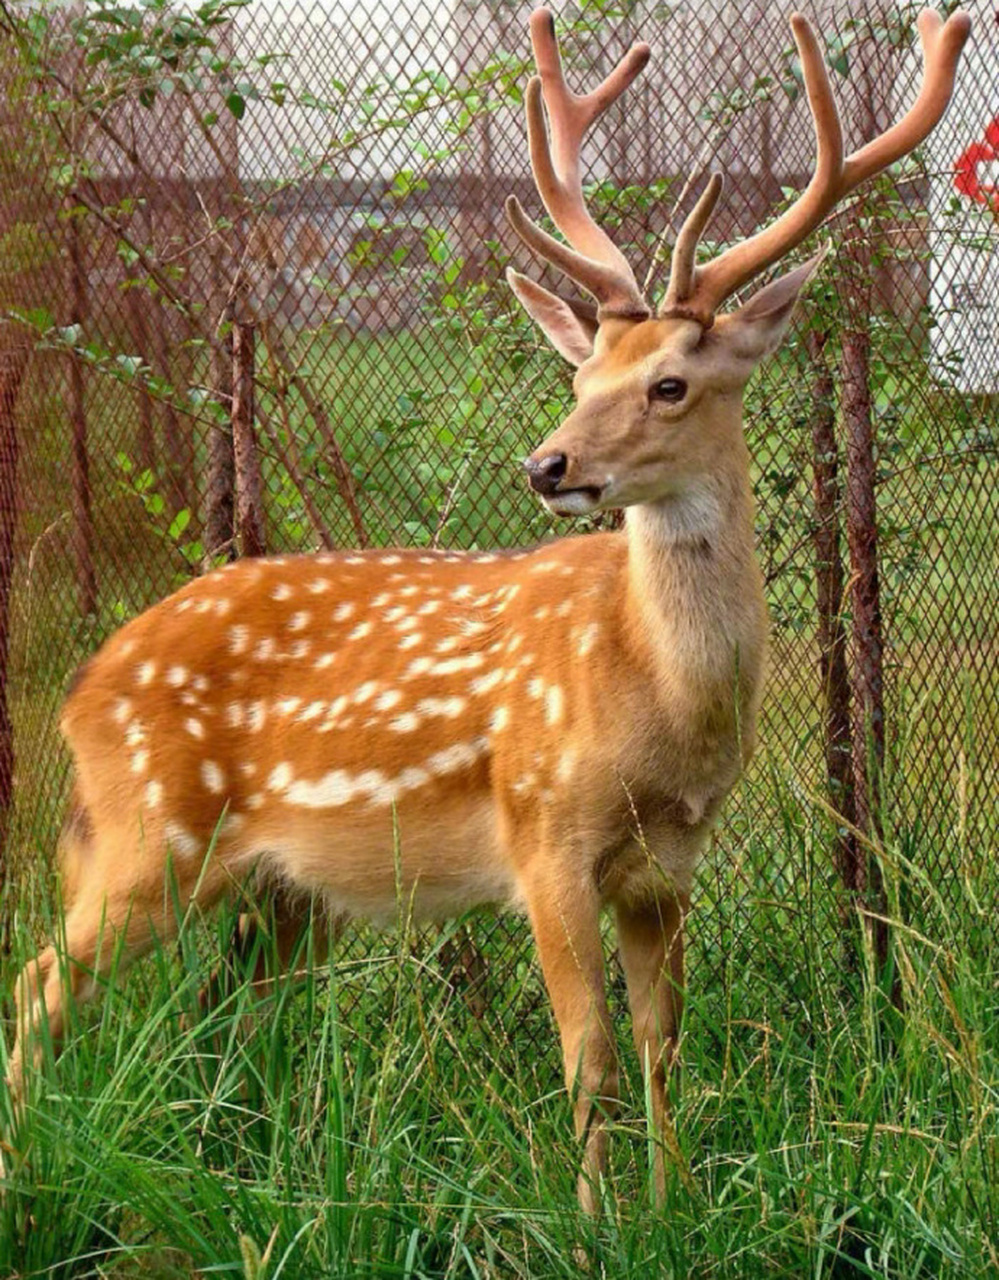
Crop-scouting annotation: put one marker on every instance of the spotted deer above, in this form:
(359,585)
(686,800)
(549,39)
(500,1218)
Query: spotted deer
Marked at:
(552,729)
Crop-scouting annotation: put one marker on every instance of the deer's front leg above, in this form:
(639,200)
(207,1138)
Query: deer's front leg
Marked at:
(650,939)
(565,916)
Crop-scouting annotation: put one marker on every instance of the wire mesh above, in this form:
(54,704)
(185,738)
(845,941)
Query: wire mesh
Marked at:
(332,177)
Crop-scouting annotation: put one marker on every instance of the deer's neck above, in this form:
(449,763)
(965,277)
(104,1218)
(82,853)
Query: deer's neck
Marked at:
(695,599)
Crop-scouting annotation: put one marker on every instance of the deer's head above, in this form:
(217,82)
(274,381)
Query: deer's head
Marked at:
(659,394)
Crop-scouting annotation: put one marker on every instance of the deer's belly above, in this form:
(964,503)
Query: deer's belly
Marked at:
(430,863)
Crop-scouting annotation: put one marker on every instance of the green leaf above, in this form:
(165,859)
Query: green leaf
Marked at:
(130,365)
(236,104)
(179,523)
(39,318)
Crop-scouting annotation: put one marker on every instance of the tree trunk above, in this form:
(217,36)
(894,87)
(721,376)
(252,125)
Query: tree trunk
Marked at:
(228,299)
(13,363)
(874,65)
(862,538)
(831,629)
(179,486)
(145,438)
(220,491)
(249,489)
(83,525)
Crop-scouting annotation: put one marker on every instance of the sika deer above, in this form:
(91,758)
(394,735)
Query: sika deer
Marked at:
(553,729)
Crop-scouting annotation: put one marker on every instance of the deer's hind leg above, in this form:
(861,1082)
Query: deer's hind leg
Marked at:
(119,898)
(272,934)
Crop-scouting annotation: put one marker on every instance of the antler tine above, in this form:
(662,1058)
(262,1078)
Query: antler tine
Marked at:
(602,281)
(683,260)
(594,261)
(834,178)
(942,44)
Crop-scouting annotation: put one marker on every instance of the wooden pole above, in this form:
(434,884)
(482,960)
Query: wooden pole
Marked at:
(249,488)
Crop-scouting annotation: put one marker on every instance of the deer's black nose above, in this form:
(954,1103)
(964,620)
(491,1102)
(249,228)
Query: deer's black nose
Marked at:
(545,473)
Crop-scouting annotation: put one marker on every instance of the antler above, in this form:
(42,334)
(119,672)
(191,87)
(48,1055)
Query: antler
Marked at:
(593,260)
(697,292)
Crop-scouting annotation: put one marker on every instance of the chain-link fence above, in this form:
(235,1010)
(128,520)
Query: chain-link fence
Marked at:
(251,275)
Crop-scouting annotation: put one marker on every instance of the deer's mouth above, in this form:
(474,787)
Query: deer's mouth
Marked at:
(574,502)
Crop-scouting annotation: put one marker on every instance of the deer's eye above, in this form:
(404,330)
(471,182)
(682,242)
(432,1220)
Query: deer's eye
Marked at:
(669,389)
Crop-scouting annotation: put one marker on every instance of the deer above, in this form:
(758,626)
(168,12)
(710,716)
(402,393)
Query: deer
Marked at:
(551,730)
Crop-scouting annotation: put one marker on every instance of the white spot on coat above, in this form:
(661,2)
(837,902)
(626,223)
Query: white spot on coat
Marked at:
(450,707)
(121,711)
(483,684)
(406,723)
(281,776)
(462,755)
(180,840)
(213,777)
(588,638)
(450,665)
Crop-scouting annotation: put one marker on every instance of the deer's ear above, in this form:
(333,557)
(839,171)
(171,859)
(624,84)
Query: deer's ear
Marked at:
(759,326)
(569,326)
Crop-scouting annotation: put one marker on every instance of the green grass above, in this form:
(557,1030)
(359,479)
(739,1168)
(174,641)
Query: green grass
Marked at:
(369,1123)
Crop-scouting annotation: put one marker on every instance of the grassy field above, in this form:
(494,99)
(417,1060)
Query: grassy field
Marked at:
(382,1119)
(377,1122)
